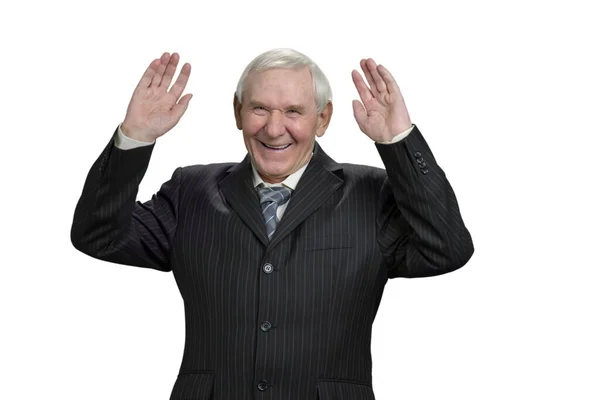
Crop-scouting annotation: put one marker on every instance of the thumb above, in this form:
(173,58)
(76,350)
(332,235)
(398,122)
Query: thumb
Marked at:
(360,114)
(182,105)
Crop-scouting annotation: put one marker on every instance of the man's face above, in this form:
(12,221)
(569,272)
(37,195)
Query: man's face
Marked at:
(279,120)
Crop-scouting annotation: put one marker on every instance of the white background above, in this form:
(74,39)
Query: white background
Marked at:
(506,94)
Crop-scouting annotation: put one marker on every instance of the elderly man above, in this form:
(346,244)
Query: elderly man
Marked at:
(282,258)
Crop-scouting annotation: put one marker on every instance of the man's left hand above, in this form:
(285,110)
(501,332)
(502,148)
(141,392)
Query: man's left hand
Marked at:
(382,113)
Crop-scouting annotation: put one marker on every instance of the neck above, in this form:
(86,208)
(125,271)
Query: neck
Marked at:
(272,180)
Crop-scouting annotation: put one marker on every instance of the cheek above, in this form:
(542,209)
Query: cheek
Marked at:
(252,125)
(302,130)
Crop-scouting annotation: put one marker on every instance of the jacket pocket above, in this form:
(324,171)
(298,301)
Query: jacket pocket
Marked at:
(326,242)
(196,385)
(344,390)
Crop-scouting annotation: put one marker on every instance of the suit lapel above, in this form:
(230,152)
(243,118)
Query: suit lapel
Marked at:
(318,182)
(238,190)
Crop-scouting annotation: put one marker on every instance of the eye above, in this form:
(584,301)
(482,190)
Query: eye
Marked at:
(292,111)
(260,110)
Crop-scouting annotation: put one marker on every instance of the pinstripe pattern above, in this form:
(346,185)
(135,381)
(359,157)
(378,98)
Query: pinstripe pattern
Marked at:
(295,312)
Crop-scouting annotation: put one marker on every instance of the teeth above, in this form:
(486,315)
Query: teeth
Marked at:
(276,147)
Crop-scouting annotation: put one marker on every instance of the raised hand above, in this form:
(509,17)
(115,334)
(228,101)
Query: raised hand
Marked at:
(382,113)
(154,109)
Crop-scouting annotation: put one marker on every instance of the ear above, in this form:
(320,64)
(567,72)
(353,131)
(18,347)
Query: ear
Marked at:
(323,119)
(237,111)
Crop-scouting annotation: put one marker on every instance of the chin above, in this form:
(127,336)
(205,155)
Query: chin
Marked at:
(277,177)
(270,174)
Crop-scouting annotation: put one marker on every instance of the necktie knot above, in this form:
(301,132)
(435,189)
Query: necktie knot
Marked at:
(277,194)
(270,199)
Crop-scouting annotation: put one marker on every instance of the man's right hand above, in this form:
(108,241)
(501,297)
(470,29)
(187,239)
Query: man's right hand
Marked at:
(154,109)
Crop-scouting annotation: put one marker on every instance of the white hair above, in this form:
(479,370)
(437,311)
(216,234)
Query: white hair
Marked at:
(288,58)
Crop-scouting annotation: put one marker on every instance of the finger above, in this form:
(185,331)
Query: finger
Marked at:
(365,69)
(170,70)
(389,80)
(181,106)
(149,74)
(160,70)
(182,79)
(363,91)
(360,114)
(379,83)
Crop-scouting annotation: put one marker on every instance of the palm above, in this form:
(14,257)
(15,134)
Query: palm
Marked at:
(382,113)
(154,109)
(151,109)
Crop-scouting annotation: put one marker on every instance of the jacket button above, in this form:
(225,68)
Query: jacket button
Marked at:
(266,326)
(425,171)
(418,154)
(267,268)
(420,160)
(263,385)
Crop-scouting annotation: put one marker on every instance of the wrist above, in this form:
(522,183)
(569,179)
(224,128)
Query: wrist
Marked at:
(135,134)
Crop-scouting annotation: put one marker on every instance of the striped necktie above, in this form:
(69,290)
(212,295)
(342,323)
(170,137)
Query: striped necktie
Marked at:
(270,199)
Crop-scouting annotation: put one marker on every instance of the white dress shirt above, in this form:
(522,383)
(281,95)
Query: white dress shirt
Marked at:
(126,143)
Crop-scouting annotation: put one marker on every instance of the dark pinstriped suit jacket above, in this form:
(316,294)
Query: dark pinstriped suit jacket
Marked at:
(290,319)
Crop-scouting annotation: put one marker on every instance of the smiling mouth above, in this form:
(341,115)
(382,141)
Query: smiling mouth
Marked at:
(283,147)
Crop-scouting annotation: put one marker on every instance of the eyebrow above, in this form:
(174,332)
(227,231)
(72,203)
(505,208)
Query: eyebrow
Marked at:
(296,107)
(256,103)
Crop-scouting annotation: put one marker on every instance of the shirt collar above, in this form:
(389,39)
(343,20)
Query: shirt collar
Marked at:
(290,182)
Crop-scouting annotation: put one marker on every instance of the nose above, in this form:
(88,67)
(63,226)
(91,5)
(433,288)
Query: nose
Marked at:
(275,125)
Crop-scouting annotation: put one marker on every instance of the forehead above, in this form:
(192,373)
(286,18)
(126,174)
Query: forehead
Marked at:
(280,85)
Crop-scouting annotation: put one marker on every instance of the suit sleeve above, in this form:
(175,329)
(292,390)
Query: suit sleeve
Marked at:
(420,229)
(110,225)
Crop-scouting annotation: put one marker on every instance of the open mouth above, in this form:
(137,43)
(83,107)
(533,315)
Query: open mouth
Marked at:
(283,147)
